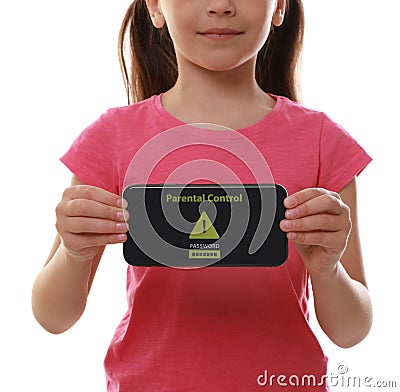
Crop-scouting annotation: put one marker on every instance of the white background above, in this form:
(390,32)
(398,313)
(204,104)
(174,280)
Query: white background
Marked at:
(59,72)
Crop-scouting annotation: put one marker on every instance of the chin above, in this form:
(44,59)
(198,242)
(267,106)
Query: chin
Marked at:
(220,67)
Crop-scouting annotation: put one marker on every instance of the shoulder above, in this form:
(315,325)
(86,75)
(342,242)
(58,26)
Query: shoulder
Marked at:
(115,123)
(298,112)
(137,110)
(297,123)
(311,121)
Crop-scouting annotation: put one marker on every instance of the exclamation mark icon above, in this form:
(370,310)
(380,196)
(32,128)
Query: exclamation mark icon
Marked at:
(204,229)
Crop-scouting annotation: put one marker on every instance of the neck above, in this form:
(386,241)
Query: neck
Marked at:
(203,95)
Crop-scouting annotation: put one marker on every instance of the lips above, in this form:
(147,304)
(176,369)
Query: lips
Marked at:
(220,33)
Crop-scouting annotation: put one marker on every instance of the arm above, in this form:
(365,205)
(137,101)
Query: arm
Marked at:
(87,219)
(324,228)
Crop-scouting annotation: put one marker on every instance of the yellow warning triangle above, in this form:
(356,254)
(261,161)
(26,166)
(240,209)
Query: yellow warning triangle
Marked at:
(204,229)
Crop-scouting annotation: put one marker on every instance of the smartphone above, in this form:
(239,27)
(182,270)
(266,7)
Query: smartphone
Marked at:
(200,225)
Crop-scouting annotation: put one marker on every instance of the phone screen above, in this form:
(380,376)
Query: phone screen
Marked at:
(199,225)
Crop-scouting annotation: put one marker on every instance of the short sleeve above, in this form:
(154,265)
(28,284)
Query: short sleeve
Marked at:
(341,158)
(92,156)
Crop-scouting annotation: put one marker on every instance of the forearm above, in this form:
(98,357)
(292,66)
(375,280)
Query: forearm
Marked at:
(342,305)
(60,292)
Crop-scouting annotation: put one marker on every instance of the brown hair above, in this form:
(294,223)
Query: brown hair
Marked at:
(148,61)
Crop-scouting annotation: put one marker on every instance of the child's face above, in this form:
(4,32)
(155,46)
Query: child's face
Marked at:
(217,35)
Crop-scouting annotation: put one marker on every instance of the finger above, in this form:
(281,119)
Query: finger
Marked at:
(307,194)
(77,242)
(77,225)
(325,203)
(94,193)
(335,241)
(325,222)
(95,209)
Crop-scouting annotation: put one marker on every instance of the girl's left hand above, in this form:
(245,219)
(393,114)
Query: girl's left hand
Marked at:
(319,224)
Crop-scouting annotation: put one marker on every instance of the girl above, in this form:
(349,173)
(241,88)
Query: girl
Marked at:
(233,63)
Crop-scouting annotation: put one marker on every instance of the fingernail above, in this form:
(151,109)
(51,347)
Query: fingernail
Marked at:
(122,203)
(290,202)
(121,227)
(123,216)
(287,224)
(290,213)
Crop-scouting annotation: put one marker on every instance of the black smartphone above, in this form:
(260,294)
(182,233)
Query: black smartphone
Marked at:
(199,225)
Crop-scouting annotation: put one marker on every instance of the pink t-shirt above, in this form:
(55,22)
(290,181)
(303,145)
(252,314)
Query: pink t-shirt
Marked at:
(218,328)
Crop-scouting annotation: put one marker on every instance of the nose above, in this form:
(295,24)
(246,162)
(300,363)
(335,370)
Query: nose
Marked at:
(220,8)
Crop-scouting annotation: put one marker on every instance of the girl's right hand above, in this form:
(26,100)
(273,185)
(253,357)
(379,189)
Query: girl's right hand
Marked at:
(89,218)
